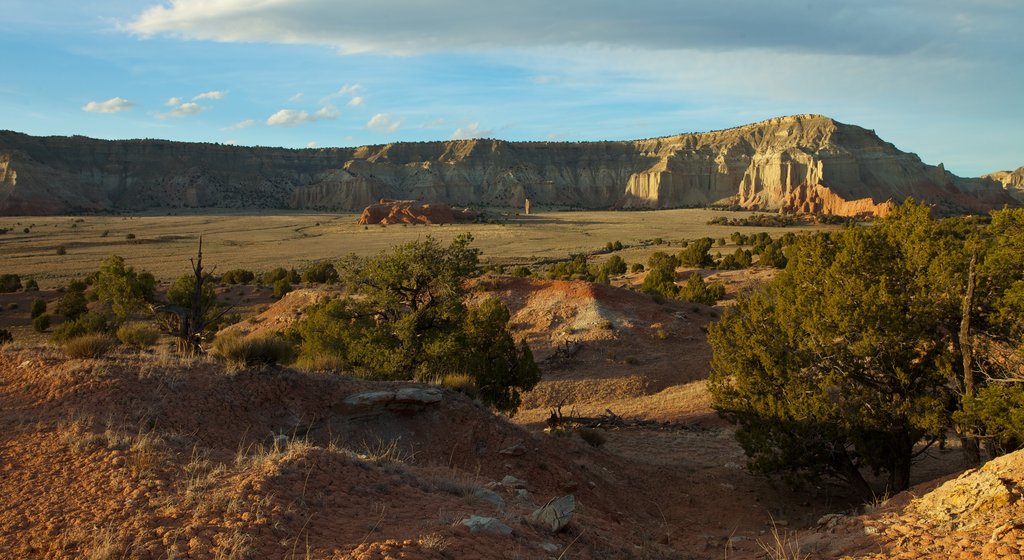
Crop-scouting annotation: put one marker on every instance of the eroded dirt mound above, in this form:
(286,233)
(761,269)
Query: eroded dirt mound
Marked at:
(602,346)
(978,514)
(413,212)
(149,457)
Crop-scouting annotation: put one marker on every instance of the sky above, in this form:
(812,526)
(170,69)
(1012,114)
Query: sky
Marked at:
(940,78)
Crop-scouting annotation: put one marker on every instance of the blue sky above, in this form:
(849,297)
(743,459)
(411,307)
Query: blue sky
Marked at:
(942,78)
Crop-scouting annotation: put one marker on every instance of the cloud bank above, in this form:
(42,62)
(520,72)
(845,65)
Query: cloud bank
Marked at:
(291,118)
(869,27)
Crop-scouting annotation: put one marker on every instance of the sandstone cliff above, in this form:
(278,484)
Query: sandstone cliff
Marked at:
(412,212)
(805,163)
(1012,181)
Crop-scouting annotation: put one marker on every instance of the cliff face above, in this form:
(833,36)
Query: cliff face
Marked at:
(1012,181)
(806,163)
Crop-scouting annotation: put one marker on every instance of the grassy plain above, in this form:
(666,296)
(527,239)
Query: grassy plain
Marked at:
(163,245)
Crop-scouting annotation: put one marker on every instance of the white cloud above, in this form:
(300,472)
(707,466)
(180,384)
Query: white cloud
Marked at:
(240,125)
(290,117)
(350,89)
(231,142)
(209,95)
(472,130)
(356,101)
(112,105)
(296,98)
(173,102)
(312,144)
(183,110)
(383,123)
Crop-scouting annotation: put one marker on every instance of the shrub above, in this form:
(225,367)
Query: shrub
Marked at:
(521,272)
(238,276)
(72,304)
(130,236)
(41,323)
(122,287)
(10,283)
(242,351)
(281,287)
(320,273)
(696,290)
(87,323)
(5,337)
(31,285)
(89,346)
(139,335)
(38,307)
(61,250)
(696,253)
(636,267)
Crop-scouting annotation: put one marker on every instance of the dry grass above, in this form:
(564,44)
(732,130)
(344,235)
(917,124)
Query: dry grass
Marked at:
(240,352)
(262,241)
(89,346)
(104,546)
(783,545)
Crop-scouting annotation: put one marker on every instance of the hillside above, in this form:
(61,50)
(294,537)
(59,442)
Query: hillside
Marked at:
(806,163)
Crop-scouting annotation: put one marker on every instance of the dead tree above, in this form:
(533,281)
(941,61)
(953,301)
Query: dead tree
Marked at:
(187,324)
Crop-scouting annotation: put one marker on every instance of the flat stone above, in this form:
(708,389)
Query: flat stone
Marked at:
(370,399)
(486,526)
(418,395)
(512,482)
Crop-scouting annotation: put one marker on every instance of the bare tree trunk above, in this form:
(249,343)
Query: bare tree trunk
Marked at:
(969,443)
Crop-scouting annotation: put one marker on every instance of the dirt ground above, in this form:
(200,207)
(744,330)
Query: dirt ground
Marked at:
(146,455)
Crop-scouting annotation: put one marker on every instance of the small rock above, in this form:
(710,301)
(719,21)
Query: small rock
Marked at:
(829,521)
(555,514)
(490,497)
(512,482)
(522,494)
(486,526)
(550,547)
(515,450)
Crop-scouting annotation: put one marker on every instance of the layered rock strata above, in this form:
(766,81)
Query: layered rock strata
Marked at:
(805,163)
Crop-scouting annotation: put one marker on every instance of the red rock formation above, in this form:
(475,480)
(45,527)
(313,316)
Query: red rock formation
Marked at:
(412,212)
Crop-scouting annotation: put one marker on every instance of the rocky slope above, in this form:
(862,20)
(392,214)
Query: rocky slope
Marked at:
(805,163)
(1012,181)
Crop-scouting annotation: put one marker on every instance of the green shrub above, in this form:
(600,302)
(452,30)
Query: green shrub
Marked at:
(636,267)
(281,287)
(87,323)
(72,304)
(139,335)
(238,276)
(521,272)
(696,290)
(31,285)
(320,273)
(41,323)
(89,346)
(38,307)
(242,351)
(61,250)
(10,283)
(5,337)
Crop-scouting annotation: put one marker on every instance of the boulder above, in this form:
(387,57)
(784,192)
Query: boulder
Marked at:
(555,514)
(489,496)
(370,399)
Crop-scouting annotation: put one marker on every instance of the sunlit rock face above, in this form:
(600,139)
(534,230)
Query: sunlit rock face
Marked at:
(805,163)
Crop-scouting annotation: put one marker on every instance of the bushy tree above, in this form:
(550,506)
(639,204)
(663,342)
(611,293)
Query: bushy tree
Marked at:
(409,321)
(73,302)
(696,253)
(696,290)
(122,287)
(842,363)
(661,275)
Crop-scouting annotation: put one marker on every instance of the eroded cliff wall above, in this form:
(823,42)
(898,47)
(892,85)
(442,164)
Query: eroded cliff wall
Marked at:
(805,163)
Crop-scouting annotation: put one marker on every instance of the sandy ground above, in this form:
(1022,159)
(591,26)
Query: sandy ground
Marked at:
(144,455)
